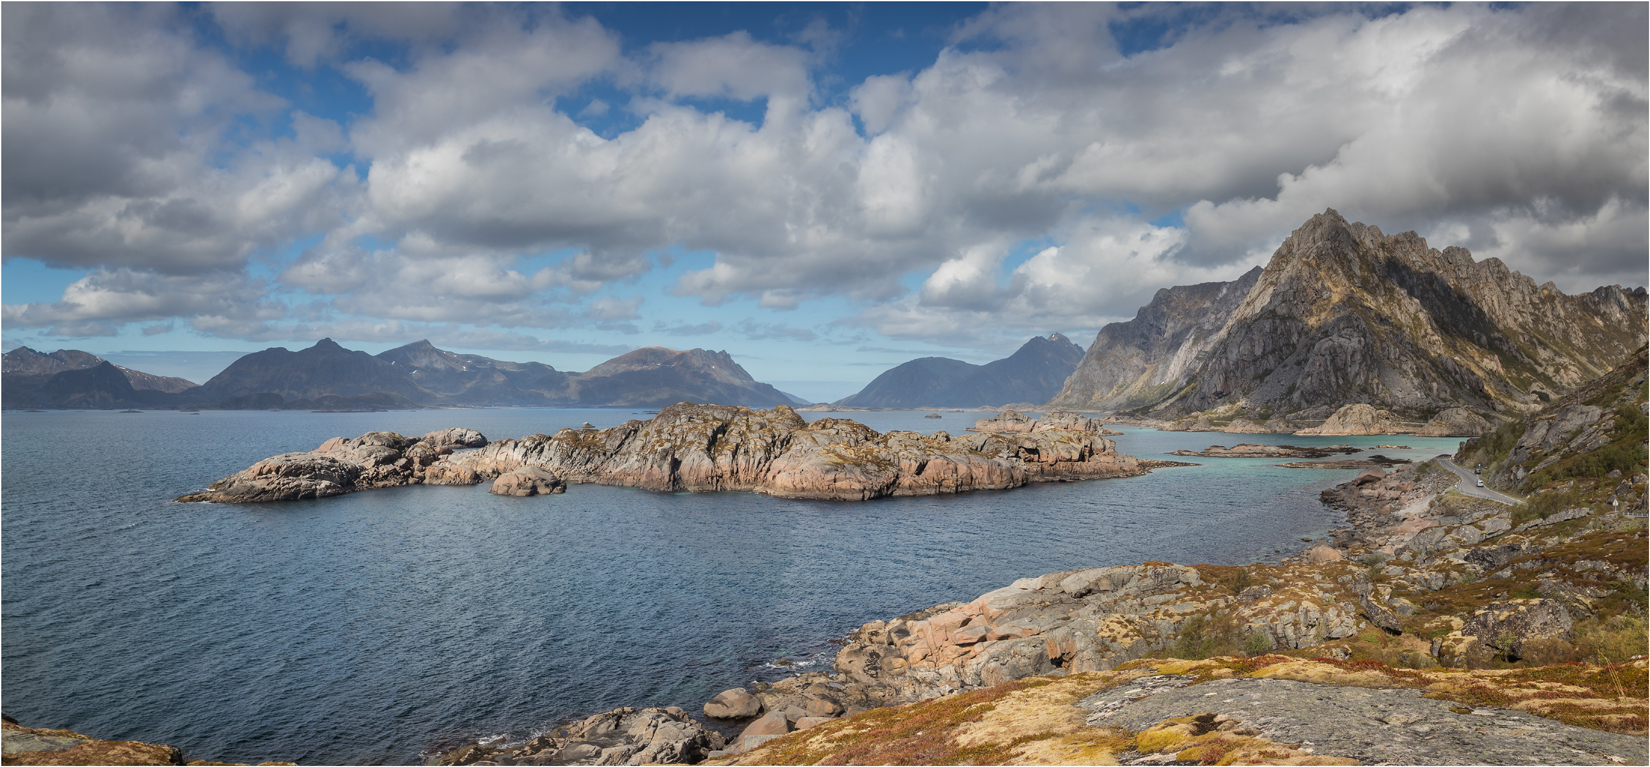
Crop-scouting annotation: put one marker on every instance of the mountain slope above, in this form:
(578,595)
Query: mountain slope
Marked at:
(1033,373)
(1345,314)
(472,379)
(656,377)
(1136,362)
(322,369)
(26,369)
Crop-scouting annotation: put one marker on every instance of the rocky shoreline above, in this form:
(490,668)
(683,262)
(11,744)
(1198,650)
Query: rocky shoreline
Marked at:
(702,448)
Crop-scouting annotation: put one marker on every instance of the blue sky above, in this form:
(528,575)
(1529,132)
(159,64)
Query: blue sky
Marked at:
(823,190)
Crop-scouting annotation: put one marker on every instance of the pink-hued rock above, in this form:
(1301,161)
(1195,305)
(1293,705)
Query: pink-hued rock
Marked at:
(527,481)
(711,448)
(707,448)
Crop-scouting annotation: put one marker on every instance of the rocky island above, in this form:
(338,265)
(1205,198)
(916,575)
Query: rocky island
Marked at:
(701,448)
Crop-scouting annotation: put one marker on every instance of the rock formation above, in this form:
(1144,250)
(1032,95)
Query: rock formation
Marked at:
(1455,422)
(1137,363)
(1343,312)
(373,460)
(621,736)
(1015,422)
(1034,373)
(1358,420)
(697,448)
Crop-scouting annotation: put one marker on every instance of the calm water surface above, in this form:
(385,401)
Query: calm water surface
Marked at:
(373,627)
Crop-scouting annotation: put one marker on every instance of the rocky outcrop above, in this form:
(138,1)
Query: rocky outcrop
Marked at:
(377,459)
(1503,629)
(622,736)
(1343,312)
(712,448)
(1251,450)
(1357,420)
(1034,373)
(527,481)
(1455,422)
(37,745)
(1015,422)
(699,448)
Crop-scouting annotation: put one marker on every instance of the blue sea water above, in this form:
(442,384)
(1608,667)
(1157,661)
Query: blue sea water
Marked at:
(374,627)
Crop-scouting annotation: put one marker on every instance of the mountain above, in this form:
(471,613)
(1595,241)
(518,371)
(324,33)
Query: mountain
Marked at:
(656,376)
(1577,440)
(325,368)
(27,369)
(1034,373)
(327,375)
(69,378)
(103,385)
(476,380)
(1137,362)
(1345,314)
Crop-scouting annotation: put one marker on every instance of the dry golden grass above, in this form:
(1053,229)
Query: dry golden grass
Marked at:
(1034,721)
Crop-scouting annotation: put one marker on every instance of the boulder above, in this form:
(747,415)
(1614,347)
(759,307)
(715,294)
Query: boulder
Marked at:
(773,723)
(733,704)
(527,481)
(1320,554)
(454,437)
(1006,422)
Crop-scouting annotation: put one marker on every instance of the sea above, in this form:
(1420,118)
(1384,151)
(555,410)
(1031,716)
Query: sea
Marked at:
(383,626)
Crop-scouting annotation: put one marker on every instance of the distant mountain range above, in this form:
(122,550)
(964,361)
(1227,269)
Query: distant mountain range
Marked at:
(1344,314)
(1033,374)
(328,376)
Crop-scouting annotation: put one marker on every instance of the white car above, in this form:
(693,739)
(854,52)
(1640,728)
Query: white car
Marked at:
(1480,483)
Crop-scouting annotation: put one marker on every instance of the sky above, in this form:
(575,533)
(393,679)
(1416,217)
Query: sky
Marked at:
(822,190)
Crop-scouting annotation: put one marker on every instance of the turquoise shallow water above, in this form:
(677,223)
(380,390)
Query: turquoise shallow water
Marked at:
(372,627)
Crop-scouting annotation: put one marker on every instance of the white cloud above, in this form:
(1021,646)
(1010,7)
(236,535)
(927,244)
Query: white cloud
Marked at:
(1519,132)
(732,66)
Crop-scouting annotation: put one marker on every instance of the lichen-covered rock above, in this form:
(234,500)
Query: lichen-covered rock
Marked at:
(29,745)
(527,481)
(712,448)
(622,736)
(1076,620)
(377,459)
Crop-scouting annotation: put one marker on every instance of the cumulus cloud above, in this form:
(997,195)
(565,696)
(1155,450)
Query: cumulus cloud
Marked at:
(1519,132)
(217,303)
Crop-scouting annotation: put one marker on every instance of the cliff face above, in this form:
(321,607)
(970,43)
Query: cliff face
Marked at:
(1345,314)
(1139,362)
(1034,373)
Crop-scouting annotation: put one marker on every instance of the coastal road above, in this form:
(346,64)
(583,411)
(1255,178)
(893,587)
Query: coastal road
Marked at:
(1469,485)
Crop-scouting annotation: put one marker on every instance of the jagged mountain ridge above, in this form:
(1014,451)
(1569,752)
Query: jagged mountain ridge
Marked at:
(1137,362)
(1033,373)
(1345,314)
